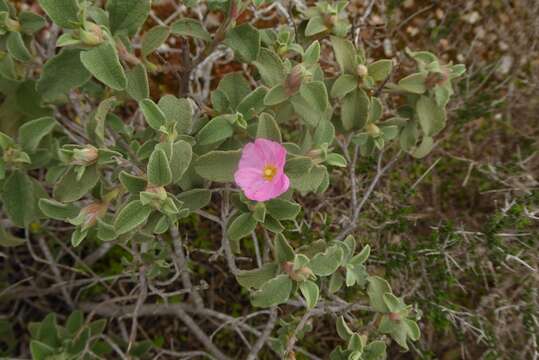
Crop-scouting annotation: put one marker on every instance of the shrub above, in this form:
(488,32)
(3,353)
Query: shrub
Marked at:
(90,142)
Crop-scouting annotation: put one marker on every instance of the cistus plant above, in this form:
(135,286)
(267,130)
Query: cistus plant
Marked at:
(97,155)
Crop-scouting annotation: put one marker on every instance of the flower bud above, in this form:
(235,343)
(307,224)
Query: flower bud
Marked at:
(13,25)
(435,78)
(362,70)
(92,36)
(234,11)
(373,130)
(159,192)
(302,274)
(85,156)
(330,20)
(88,215)
(294,79)
(393,316)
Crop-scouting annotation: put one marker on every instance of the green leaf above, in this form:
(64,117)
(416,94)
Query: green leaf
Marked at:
(413,329)
(127,15)
(375,111)
(326,263)
(32,132)
(268,128)
(281,209)
(245,41)
(409,136)
(257,277)
(105,231)
(154,38)
(190,27)
(159,172)
(31,22)
(133,184)
(54,83)
(309,181)
(100,117)
(180,159)
(310,292)
(274,292)
(273,225)
(362,256)
(8,240)
(344,84)
(316,95)
(283,250)
(297,167)
(242,226)
(64,13)
(276,95)
(78,236)
(390,132)
(74,322)
(19,199)
(431,116)
(178,111)
(345,54)
(103,63)
(393,303)
(253,103)
(270,67)
(17,48)
(396,329)
(375,350)
(137,83)
(315,26)
(195,199)
(235,87)
(152,113)
(218,165)
(216,130)
(376,290)
(69,189)
(337,160)
(48,331)
(424,148)
(7,68)
(336,282)
(356,343)
(380,70)
(343,330)
(130,216)
(259,212)
(312,54)
(414,83)
(57,210)
(40,351)
(355,110)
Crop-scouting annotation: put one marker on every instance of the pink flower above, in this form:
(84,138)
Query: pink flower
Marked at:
(260,172)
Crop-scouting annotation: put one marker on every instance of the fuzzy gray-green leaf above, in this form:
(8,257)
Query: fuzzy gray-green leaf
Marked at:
(130,216)
(274,292)
(103,63)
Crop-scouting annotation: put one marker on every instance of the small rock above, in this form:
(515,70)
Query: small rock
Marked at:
(408,4)
(503,46)
(388,48)
(506,64)
(472,17)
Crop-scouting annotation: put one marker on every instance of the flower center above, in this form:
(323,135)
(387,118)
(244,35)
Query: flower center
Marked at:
(269,172)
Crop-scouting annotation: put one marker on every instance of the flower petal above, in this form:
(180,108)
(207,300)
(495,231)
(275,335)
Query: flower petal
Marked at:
(272,152)
(252,157)
(245,177)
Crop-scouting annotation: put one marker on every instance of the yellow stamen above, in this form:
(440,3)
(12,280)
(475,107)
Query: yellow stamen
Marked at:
(269,172)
